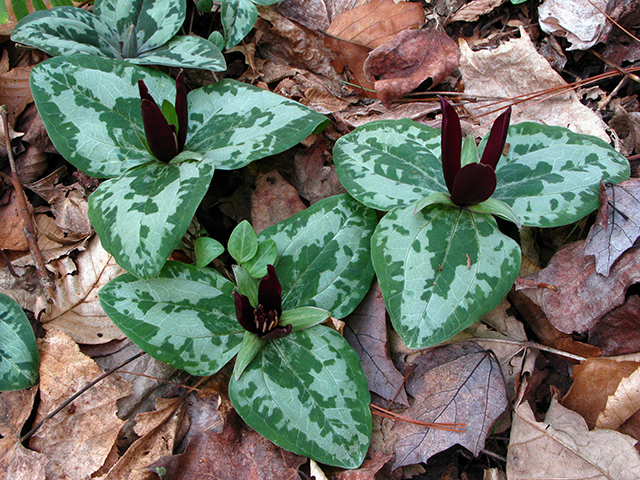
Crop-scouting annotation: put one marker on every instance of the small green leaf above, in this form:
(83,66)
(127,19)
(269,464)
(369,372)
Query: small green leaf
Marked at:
(243,242)
(266,255)
(303,317)
(306,392)
(205,6)
(217,39)
(207,249)
(247,285)
(18,349)
(250,347)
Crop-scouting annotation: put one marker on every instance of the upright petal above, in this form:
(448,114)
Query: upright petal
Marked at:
(160,136)
(181,110)
(450,143)
(497,137)
(245,312)
(270,291)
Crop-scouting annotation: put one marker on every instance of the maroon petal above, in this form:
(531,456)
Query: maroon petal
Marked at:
(450,143)
(181,110)
(278,332)
(160,136)
(474,183)
(497,137)
(270,291)
(244,312)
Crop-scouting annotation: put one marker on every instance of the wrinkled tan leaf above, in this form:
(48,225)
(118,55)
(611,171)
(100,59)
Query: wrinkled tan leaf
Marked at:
(455,383)
(583,295)
(617,226)
(409,59)
(76,309)
(473,10)
(273,200)
(623,404)
(15,92)
(563,447)
(516,68)
(78,440)
(366,332)
(17,462)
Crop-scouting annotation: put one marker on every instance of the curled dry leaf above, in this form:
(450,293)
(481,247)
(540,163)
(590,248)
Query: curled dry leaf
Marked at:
(583,296)
(563,447)
(451,384)
(366,332)
(408,59)
(273,200)
(78,440)
(617,226)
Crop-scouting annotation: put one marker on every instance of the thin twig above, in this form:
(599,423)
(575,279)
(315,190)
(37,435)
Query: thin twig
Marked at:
(537,346)
(614,22)
(449,427)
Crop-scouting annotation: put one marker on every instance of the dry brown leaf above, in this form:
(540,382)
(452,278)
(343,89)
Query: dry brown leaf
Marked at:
(627,126)
(78,440)
(15,92)
(362,114)
(622,404)
(407,60)
(311,177)
(17,462)
(563,447)
(369,470)
(583,296)
(455,383)
(76,309)
(516,68)
(273,200)
(473,10)
(618,332)
(316,14)
(12,232)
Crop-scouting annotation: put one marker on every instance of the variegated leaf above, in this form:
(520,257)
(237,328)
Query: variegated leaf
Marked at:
(324,255)
(551,176)
(184,317)
(141,215)
(233,123)
(307,393)
(91,109)
(441,269)
(18,350)
(390,163)
(186,52)
(238,18)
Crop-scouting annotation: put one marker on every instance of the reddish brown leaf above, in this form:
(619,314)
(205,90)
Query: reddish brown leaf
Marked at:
(273,200)
(451,384)
(617,226)
(311,177)
(315,14)
(583,295)
(366,332)
(618,333)
(15,92)
(411,57)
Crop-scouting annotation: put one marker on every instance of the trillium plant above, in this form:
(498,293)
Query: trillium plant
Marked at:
(440,257)
(296,382)
(118,121)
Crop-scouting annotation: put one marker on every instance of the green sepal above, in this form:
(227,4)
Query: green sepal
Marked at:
(170,114)
(303,317)
(249,349)
(247,285)
(469,152)
(440,198)
(493,206)
(266,255)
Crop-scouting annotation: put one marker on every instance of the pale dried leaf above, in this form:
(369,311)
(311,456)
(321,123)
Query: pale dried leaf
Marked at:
(623,404)
(516,68)
(12,235)
(563,447)
(78,440)
(473,10)
(76,309)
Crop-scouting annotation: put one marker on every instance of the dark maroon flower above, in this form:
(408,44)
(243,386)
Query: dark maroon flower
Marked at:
(164,139)
(263,320)
(476,181)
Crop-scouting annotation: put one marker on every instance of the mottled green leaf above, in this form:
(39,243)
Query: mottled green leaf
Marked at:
(265,255)
(552,176)
(243,242)
(184,52)
(238,18)
(236,123)
(390,163)
(141,215)
(207,249)
(184,317)
(307,393)
(324,255)
(440,270)
(18,350)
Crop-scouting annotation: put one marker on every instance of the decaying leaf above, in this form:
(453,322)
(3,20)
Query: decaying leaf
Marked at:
(618,332)
(78,440)
(409,59)
(583,296)
(617,226)
(456,383)
(563,447)
(273,200)
(366,332)
(315,14)
(473,10)
(12,233)
(311,177)
(76,309)
(15,92)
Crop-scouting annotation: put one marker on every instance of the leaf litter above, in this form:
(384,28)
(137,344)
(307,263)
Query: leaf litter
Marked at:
(320,52)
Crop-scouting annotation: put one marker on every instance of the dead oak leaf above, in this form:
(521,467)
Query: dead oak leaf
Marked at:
(409,59)
(458,383)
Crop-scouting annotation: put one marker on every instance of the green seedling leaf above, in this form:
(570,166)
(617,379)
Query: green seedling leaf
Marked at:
(207,249)
(303,317)
(247,285)
(19,358)
(389,163)
(551,176)
(266,255)
(307,394)
(217,39)
(185,317)
(249,349)
(236,123)
(141,215)
(440,270)
(238,18)
(324,256)
(243,242)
